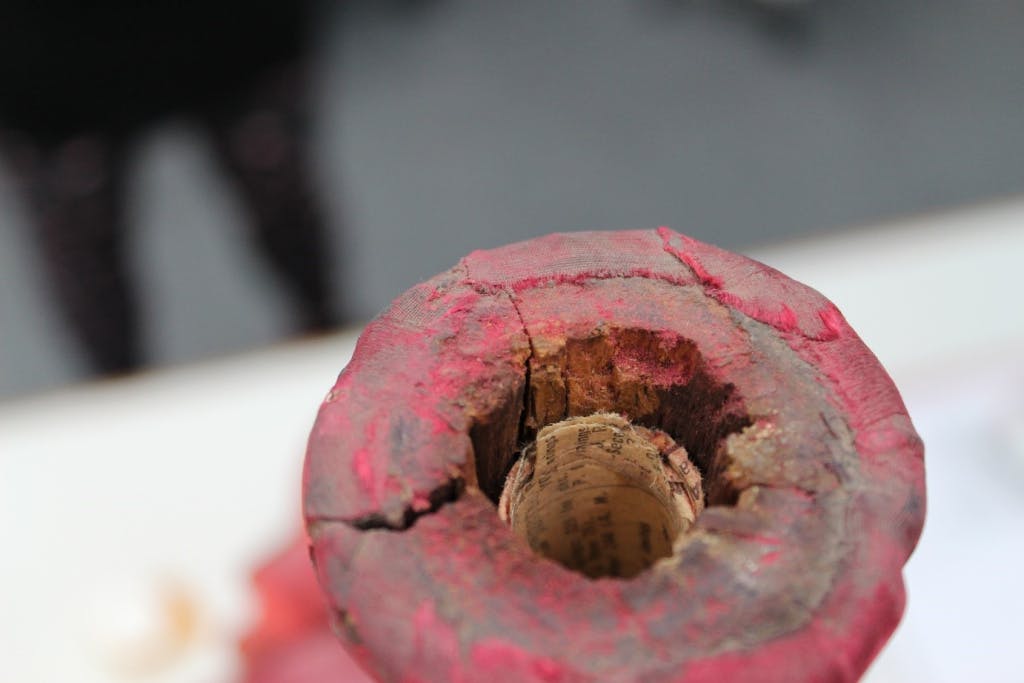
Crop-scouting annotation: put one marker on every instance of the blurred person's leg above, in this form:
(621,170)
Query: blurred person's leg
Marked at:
(262,140)
(73,189)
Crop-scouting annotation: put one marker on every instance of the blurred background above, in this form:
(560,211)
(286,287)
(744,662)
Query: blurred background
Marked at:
(213,201)
(441,126)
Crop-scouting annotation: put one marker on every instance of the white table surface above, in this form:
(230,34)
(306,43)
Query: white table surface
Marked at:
(190,477)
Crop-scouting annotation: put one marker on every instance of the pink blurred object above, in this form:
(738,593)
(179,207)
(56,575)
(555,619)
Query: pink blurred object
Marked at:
(292,641)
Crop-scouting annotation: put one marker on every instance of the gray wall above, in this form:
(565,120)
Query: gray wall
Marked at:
(460,124)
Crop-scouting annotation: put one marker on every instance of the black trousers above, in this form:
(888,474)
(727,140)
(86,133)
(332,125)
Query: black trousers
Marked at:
(74,188)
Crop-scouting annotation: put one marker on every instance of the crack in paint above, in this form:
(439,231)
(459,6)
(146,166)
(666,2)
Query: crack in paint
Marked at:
(452,489)
(525,410)
(448,492)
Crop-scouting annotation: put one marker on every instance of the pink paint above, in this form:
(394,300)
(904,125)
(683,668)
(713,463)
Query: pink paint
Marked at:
(529,283)
(716,608)
(786,320)
(420,503)
(362,464)
(496,660)
(687,256)
(433,636)
(833,320)
(504,616)
(757,290)
(818,653)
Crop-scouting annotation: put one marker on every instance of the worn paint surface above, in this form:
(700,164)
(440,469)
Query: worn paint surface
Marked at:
(813,471)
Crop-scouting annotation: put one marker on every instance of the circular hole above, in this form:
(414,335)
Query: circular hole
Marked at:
(600,496)
(660,387)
